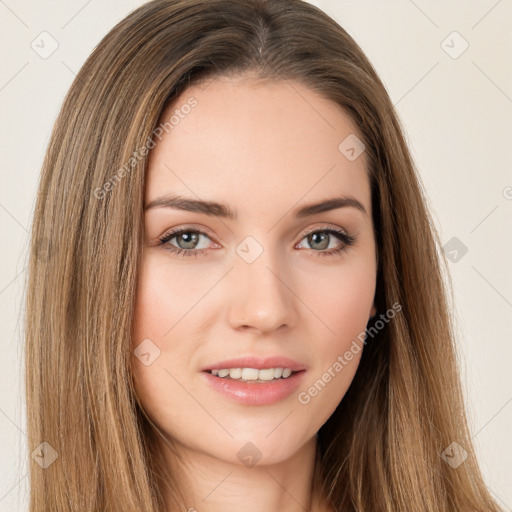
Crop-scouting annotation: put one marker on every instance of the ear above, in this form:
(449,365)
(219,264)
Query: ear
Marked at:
(373,312)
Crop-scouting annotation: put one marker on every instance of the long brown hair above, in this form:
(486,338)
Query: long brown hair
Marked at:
(381,450)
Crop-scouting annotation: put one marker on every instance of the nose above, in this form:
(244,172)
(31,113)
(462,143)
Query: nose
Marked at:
(262,297)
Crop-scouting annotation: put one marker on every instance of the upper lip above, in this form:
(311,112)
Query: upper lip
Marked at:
(260,363)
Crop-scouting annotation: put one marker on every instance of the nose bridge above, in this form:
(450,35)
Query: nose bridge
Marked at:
(262,298)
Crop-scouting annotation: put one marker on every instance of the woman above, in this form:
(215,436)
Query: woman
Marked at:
(303,358)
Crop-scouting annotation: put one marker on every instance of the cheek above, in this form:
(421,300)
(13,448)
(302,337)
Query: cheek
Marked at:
(154,315)
(341,298)
(165,294)
(340,303)
(167,308)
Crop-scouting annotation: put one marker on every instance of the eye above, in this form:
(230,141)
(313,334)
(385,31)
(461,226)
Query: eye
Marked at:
(187,242)
(320,239)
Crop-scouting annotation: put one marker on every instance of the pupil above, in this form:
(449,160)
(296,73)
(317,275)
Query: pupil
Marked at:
(313,239)
(192,239)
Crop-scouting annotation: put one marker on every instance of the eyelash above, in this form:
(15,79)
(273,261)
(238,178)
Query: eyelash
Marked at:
(347,240)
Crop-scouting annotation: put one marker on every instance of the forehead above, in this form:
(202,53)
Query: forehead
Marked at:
(255,144)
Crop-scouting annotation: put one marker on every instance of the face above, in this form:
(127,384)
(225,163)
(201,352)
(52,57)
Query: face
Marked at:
(263,284)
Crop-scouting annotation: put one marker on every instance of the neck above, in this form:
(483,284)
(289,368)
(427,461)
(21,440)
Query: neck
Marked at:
(212,484)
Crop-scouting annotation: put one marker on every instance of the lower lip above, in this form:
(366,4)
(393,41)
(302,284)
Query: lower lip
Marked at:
(254,393)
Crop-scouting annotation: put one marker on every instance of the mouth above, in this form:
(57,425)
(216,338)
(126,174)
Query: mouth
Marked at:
(253,380)
(254,375)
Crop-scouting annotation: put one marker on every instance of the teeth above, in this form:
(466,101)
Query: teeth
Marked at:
(235,373)
(267,374)
(250,374)
(253,374)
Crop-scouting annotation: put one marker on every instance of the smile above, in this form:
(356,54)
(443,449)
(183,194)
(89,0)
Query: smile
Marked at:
(253,374)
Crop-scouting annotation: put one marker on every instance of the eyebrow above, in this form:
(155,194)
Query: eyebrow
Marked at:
(216,209)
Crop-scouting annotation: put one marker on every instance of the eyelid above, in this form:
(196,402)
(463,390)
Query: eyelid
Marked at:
(341,234)
(206,231)
(325,227)
(174,231)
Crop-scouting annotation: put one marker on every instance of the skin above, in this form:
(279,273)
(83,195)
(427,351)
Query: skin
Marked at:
(264,149)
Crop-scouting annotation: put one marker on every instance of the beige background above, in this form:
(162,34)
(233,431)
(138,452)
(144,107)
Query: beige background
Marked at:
(456,109)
